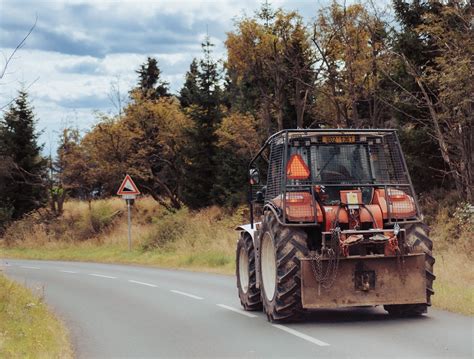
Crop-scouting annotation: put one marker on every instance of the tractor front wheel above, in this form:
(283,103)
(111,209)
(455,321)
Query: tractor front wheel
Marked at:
(249,294)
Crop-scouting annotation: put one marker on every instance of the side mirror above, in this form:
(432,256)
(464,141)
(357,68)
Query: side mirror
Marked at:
(260,196)
(254,176)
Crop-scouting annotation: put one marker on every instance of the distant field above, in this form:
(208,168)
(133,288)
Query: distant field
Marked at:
(202,241)
(27,328)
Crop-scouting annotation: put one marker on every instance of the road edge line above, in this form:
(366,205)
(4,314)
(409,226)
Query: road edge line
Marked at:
(236,310)
(102,276)
(186,294)
(142,283)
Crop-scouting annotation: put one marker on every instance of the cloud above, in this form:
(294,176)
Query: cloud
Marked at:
(100,28)
(79,48)
(86,66)
(86,102)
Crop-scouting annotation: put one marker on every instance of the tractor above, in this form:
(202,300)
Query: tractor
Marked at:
(334,222)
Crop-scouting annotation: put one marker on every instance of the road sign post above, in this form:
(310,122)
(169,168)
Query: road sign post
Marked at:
(128,190)
(129,225)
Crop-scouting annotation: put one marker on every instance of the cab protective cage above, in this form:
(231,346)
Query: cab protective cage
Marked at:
(302,164)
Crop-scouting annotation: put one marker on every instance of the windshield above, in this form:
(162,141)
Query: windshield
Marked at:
(341,163)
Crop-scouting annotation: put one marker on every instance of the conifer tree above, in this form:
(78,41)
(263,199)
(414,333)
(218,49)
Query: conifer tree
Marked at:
(150,84)
(25,189)
(203,96)
(190,91)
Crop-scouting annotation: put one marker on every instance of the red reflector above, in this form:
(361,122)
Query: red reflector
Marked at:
(296,168)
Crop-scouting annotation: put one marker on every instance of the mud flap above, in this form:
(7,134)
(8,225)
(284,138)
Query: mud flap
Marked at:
(367,280)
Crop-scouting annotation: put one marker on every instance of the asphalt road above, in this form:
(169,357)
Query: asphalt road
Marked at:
(130,311)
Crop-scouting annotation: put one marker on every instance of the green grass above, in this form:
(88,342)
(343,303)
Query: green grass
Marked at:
(454,297)
(27,328)
(212,261)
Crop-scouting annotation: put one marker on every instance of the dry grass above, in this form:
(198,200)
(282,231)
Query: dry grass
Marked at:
(27,328)
(454,284)
(452,234)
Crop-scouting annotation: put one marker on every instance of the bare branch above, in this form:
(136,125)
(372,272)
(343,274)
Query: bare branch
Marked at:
(19,46)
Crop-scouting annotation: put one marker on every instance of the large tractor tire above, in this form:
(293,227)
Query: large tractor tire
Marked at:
(418,242)
(280,269)
(246,274)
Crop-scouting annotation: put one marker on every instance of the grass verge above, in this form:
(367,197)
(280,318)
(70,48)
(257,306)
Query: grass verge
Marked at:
(27,328)
(454,284)
(212,261)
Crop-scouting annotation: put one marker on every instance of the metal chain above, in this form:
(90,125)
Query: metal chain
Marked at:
(326,278)
(400,257)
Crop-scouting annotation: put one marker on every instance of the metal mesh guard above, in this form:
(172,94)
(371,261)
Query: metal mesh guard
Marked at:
(368,160)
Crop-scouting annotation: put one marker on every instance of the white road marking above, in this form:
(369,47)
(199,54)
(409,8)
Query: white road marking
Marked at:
(30,267)
(102,276)
(68,271)
(301,335)
(186,294)
(237,310)
(143,283)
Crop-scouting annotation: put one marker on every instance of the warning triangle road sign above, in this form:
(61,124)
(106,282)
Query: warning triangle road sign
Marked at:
(128,187)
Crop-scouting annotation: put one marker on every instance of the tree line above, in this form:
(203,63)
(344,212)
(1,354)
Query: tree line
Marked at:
(350,67)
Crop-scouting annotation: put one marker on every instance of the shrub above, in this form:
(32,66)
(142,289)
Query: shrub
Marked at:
(101,216)
(167,229)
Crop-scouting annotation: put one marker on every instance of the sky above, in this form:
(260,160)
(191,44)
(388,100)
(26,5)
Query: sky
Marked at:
(78,49)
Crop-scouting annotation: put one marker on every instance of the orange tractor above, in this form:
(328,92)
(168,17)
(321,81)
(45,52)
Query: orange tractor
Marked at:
(338,226)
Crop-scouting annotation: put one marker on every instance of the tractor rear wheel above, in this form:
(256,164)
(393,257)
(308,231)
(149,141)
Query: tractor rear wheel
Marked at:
(280,269)
(249,294)
(418,242)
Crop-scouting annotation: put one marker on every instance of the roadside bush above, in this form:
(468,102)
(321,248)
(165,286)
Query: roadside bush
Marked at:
(5,217)
(78,223)
(31,227)
(101,216)
(437,201)
(166,229)
(452,229)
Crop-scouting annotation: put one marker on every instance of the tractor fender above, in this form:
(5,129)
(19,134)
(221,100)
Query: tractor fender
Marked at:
(247,228)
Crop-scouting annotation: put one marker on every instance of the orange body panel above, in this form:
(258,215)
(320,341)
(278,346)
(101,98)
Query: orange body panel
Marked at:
(401,204)
(299,208)
(364,214)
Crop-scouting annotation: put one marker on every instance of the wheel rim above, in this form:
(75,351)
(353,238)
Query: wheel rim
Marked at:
(244,270)
(268,266)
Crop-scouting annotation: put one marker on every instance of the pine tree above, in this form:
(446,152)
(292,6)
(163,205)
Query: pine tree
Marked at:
(26,189)
(203,95)
(150,84)
(189,94)
(209,77)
